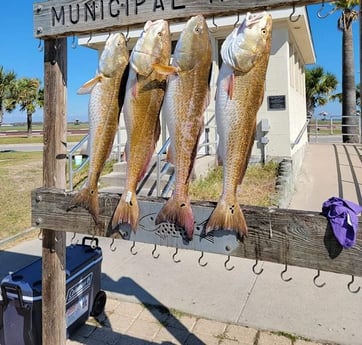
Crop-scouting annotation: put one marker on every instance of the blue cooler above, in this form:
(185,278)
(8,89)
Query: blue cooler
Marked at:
(21,314)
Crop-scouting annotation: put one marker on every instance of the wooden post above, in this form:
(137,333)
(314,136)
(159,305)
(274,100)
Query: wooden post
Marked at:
(53,251)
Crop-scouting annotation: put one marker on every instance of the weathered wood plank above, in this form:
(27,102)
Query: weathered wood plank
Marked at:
(67,17)
(54,242)
(277,235)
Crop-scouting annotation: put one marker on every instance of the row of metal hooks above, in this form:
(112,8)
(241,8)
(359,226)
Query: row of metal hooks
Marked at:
(256,271)
(203,263)
(292,18)
(74,43)
(215,26)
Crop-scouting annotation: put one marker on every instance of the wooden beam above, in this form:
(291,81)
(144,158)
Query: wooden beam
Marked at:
(53,248)
(282,236)
(60,18)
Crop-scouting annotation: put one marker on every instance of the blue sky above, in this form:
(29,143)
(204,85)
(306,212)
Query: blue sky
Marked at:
(19,52)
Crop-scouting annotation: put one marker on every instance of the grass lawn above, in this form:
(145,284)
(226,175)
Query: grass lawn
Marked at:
(21,172)
(257,188)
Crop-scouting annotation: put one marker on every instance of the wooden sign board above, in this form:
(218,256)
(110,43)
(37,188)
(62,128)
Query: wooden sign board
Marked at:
(72,17)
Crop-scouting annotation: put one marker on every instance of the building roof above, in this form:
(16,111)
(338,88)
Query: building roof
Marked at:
(221,26)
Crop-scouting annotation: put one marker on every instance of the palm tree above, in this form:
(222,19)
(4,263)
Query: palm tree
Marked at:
(7,84)
(319,86)
(29,96)
(339,96)
(349,115)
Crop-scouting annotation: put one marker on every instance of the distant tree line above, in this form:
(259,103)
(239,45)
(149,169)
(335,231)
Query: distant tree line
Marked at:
(25,93)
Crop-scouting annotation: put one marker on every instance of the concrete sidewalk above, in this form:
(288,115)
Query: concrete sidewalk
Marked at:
(158,301)
(328,170)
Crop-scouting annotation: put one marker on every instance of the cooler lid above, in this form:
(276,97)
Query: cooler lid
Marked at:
(79,258)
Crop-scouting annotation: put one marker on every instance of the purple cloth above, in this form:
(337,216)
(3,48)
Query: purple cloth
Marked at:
(343,217)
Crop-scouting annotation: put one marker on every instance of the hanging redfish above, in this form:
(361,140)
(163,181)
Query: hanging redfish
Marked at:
(103,111)
(144,96)
(239,95)
(185,102)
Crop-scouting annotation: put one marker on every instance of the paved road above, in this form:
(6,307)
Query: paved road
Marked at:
(325,139)
(26,147)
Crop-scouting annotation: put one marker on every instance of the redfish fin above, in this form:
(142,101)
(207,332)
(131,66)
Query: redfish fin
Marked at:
(164,69)
(87,87)
(170,156)
(230,87)
(87,199)
(227,217)
(178,213)
(127,211)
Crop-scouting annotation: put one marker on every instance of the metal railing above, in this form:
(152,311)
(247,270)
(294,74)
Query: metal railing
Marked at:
(300,135)
(161,170)
(70,156)
(331,125)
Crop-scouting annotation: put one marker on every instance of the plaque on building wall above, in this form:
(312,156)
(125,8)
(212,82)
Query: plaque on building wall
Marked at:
(276,102)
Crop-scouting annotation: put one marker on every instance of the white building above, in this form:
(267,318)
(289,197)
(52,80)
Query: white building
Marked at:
(281,130)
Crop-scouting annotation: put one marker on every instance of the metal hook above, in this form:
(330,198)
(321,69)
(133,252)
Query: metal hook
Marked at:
(254,267)
(113,249)
(127,38)
(270,223)
(215,25)
(174,255)
(93,243)
(226,262)
(57,45)
(200,258)
(315,280)
(154,251)
(237,20)
(74,42)
(322,16)
(89,39)
(282,274)
(349,286)
(40,46)
(73,238)
(292,14)
(131,249)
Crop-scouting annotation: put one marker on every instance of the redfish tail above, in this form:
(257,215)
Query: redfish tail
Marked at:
(227,216)
(179,213)
(88,199)
(127,211)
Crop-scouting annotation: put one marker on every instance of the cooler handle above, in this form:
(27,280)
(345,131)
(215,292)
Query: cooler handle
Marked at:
(93,240)
(12,288)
